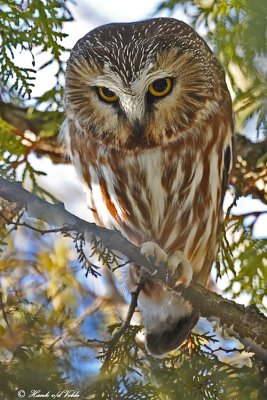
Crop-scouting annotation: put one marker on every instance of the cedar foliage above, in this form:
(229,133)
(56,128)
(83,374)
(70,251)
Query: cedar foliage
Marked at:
(54,330)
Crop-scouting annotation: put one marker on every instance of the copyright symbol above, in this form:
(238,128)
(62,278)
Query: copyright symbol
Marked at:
(21,394)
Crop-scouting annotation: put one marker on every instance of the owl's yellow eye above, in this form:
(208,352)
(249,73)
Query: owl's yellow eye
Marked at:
(107,95)
(160,87)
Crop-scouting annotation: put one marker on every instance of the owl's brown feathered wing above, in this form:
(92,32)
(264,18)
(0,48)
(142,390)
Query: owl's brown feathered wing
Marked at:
(156,169)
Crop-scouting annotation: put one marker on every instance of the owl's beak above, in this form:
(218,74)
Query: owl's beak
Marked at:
(138,128)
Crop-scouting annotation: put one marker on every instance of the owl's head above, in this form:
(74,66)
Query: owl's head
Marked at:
(142,84)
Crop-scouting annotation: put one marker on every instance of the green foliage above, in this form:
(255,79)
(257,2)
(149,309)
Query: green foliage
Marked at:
(32,367)
(15,148)
(105,257)
(26,26)
(242,258)
(30,26)
(246,258)
(237,32)
(12,150)
(191,372)
(38,309)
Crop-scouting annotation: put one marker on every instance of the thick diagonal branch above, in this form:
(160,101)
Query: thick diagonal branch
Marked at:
(247,323)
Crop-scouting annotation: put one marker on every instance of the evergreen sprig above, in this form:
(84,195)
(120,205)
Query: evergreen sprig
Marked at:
(28,26)
(80,243)
(190,372)
(106,256)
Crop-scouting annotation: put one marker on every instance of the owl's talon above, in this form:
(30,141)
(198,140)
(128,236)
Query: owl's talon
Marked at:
(153,252)
(179,260)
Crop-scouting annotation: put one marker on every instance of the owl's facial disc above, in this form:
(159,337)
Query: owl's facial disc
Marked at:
(135,102)
(141,84)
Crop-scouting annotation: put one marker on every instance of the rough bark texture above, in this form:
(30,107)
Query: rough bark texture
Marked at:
(247,323)
(8,211)
(23,119)
(249,175)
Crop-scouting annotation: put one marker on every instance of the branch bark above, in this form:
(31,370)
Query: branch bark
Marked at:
(246,323)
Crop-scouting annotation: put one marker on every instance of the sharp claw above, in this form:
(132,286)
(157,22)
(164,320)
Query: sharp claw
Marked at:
(153,252)
(176,260)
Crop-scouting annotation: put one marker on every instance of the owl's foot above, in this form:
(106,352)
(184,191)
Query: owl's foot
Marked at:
(174,261)
(178,260)
(154,251)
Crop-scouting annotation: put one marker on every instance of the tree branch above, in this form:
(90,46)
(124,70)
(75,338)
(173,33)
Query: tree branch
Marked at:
(249,174)
(24,119)
(247,323)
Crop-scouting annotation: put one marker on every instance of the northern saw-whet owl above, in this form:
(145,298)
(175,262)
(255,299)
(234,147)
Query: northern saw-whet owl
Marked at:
(149,129)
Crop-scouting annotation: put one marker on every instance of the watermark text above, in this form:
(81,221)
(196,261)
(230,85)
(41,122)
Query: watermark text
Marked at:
(40,394)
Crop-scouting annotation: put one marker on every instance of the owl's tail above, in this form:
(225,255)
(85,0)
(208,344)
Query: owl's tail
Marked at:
(159,344)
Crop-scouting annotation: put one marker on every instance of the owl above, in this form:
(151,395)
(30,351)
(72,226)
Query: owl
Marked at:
(149,129)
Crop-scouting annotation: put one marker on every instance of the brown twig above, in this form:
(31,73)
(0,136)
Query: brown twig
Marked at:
(118,334)
(2,306)
(15,224)
(232,350)
(255,214)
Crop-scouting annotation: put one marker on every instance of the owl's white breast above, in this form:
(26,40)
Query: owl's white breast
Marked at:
(153,195)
